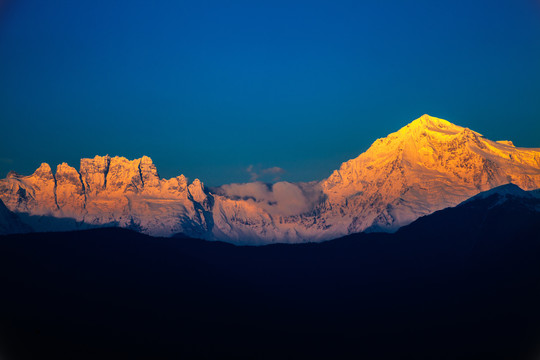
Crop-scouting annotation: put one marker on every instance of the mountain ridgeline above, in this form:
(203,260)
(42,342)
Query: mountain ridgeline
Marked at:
(426,166)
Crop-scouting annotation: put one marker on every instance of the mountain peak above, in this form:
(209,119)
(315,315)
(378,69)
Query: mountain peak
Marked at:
(425,125)
(505,191)
(146,160)
(431,122)
(13,175)
(438,128)
(196,189)
(44,171)
(44,167)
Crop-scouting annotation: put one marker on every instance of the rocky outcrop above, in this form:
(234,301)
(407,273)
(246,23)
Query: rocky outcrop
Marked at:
(34,194)
(70,191)
(427,165)
(110,191)
(94,174)
(148,172)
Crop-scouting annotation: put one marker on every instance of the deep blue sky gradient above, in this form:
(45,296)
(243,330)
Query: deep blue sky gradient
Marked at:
(207,88)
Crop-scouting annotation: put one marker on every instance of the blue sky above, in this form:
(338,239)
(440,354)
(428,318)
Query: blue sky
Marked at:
(208,88)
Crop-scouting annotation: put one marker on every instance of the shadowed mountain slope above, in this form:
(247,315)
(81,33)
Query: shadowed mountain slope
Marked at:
(461,283)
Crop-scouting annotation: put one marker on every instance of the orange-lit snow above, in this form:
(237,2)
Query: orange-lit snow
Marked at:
(427,165)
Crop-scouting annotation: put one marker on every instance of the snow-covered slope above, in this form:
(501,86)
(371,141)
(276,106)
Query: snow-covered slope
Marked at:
(427,165)
(109,191)
(506,192)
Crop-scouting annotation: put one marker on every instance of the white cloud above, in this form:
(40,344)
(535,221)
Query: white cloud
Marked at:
(282,198)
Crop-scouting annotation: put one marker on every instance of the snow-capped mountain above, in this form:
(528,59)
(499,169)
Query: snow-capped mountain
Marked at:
(428,165)
(110,191)
(506,192)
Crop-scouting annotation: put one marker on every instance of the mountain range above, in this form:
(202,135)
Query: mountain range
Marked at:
(428,165)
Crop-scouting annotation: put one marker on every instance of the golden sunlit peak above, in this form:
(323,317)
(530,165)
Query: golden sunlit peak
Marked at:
(431,124)
(431,121)
(44,168)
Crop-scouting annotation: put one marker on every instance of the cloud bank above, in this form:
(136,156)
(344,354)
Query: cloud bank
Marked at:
(282,198)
